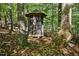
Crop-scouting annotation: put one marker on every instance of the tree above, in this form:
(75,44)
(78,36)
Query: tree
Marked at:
(11,20)
(21,18)
(59,13)
(5,17)
(0,15)
(65,22)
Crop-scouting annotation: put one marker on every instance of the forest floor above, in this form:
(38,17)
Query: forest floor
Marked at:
(17,45)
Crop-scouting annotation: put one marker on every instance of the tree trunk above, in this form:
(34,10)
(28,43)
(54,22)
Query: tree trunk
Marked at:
(5,20)
(0,16)
(21,18)
(65,22)
(59,13)
(11,21)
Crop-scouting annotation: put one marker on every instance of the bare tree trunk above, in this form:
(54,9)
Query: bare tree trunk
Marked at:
(0,15)
(21,18)
(10,13)
(5,20)
(0,11)
(59,13)
(65,22)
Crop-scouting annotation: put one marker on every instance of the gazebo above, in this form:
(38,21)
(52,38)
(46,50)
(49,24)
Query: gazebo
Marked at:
(35,23)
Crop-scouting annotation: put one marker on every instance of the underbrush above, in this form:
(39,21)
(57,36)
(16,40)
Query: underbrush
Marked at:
(17,45)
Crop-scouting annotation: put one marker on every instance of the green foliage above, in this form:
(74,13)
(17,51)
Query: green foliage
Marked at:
(75,18)
(51,20)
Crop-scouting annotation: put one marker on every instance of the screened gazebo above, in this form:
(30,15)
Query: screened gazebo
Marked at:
(35,23)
